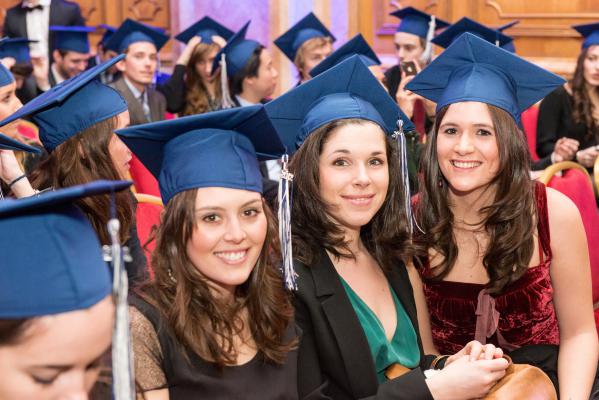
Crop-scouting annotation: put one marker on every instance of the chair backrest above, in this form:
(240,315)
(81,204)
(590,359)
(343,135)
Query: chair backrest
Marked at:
(529,124)
(143,180)
(147,216)
(575,183)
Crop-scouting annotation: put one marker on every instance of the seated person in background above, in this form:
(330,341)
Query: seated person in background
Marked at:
(70,54)
(140,43)
(104,54)
(216,323)
(252,77)
(306,44)
(15,55)
(56,305)
(414,52)
(193,89)
(568,124)
(504,260)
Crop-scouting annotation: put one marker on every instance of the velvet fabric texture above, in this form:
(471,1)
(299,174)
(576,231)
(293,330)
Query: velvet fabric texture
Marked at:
(522,314)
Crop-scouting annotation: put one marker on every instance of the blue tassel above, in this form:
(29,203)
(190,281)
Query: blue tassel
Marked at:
(285,186)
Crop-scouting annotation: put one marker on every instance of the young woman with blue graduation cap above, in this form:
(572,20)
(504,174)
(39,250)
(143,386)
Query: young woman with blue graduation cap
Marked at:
(350,228)
(306,44)
(505,259)
(56,308)
(193,88)
(10,163)
(217,321)
(568,124)
(76,121)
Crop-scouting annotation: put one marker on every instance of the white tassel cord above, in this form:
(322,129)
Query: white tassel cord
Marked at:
(122,356)
(227,101)
(400,137)
(285,185)
(427,54)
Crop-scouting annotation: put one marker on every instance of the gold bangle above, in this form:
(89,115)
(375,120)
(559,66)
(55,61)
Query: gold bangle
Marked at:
(437,360)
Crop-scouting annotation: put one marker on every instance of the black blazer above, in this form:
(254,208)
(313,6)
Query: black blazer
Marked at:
(334,348)
(62,12)
(156,102)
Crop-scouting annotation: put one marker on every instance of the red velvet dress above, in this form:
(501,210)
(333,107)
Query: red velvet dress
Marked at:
(522,314)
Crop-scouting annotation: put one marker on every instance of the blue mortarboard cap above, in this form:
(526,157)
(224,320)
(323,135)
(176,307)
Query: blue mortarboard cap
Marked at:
(66,271)
(132,32)
(466,24)
(237,51)
(509,46)
(347,90)
(356,46)
(590,32)
(72,106)
(7,143)
(72,38)
(17,48)
(205,28)
(5,76)
(217,149)
(108,32)
(305,29)
(472,69)
(416,22)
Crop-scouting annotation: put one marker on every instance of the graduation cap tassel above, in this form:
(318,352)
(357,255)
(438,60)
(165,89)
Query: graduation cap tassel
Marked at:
(427,55)
(400,137)
(122,357)
(227,102)
(285,185)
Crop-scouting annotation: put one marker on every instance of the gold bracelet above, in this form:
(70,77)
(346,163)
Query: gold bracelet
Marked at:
(437,360)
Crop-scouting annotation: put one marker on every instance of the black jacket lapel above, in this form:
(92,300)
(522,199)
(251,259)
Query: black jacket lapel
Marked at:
(346,327)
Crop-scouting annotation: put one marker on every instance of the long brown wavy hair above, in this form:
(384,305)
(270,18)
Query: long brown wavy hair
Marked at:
(509,220)
(81,159)
(385,236)
(582,107)
(201,322)
(197,96)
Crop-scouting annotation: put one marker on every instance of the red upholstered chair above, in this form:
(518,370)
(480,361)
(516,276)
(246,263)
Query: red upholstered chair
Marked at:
(575,183)
(143,180)
(529,124)
(148,215)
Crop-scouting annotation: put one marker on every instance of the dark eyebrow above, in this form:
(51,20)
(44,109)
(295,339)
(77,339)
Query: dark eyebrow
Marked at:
(217,208)
(345,151)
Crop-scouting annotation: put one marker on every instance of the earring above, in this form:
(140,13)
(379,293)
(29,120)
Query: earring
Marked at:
(440,182)
(169,271)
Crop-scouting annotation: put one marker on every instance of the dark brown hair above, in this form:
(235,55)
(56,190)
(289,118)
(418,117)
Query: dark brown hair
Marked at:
(509,220)
(12,330)
(197,97)
(249,70)
(201,322)
(81,159)
(582,107)
(385,236)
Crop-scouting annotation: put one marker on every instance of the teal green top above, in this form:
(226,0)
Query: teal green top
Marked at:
(403,348)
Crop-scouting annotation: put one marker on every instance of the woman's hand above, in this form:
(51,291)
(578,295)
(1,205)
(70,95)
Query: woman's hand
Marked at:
(565,149)
(466,379)
(587,156)
(188,50)
(219,40)
(476,351)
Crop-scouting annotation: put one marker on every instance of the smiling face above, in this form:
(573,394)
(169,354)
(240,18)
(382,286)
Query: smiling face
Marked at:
(228,236)
(58,356)
(467,149)
(353,173)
